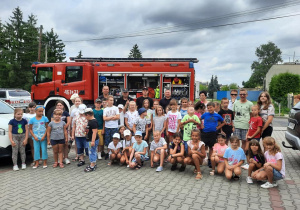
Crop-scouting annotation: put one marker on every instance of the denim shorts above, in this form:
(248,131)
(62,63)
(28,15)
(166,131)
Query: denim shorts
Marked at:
(81,144)
(143,158)
(240,133)
(276,175)
(55,142)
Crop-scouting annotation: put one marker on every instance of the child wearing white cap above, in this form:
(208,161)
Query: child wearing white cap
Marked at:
(139,153)
(127,147)
(122,114)
(114,149)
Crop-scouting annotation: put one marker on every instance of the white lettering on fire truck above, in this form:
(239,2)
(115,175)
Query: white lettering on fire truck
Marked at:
(71,92)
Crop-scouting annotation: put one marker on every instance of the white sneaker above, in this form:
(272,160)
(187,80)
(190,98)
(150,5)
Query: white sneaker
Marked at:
(267,185)
(249,180)
(23,166)
(99,156)
(275,184)
(246,166)
(67,161)
(16,168)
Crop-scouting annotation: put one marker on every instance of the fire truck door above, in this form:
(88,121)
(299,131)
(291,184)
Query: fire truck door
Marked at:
(73,82)
(44,83)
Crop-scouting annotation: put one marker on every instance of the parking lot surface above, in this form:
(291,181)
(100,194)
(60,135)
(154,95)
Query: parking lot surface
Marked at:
(116,187)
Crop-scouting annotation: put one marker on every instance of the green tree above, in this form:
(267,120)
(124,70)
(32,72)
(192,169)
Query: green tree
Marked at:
(225,88)
(282,84)
(216,84)
(135,52)
(79,54)
(203,87)
(55,47)
(268,55)
(233,86)
(213,86)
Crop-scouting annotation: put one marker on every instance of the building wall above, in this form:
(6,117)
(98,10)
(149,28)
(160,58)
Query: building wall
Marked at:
(281,68)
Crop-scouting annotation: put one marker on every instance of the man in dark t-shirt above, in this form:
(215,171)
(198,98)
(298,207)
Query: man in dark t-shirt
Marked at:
(124,98)
(164,102)
(139,100)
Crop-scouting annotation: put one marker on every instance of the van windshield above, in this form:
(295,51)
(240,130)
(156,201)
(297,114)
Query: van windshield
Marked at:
(5,109)
(15,93)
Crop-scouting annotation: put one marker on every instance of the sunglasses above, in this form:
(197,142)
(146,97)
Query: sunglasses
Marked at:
(242,94)
(233,94)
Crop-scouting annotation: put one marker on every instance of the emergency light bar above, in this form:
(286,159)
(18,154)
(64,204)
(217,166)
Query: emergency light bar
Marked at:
(91,59)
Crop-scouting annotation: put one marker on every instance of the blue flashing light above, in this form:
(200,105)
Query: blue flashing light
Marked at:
(191,65)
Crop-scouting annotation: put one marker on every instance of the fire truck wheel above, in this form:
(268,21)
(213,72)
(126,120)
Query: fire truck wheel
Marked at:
(49,113)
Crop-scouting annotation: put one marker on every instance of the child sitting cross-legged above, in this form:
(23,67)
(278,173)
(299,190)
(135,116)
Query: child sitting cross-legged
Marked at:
(139,152)
(127,144)
(158,150)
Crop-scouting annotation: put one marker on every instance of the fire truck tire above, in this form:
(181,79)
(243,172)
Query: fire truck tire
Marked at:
(49,113)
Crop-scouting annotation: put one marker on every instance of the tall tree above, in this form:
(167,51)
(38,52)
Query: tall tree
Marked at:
(55,47)
(268,55)
(135,52)
(79,54)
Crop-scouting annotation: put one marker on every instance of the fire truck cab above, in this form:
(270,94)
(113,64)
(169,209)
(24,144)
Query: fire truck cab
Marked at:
(87,76)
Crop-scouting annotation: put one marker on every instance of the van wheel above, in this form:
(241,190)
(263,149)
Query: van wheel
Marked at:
(49,113)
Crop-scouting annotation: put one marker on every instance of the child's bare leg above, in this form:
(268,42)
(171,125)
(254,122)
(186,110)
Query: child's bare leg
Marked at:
(119,156)
(269,172)
(181,161)
(244,145)
(138,159)
(60,152)
(55,152)
(196,160)
(45,162)
(221,167)
(251,168)
(30,141)
(126,156)
(162,157)
(122,159)
(228,173)
(187,161)
(213,162)
(172,160)
(113,157)
(156,158)
(237,171)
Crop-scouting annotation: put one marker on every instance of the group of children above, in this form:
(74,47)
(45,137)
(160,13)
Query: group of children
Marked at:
(179,135)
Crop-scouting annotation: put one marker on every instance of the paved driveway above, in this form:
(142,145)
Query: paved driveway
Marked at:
(115,187)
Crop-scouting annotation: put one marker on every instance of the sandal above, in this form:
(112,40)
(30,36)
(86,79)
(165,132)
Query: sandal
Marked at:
(75,159)
(195,171)
(61,165)
(198,176)
(212,173)
(138,167)
(55,164)
(109,163)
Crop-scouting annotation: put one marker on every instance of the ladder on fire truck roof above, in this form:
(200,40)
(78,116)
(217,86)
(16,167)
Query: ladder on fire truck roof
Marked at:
(91,59)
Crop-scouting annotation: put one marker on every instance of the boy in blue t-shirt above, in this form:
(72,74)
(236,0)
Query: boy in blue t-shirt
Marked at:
(98,114)
(209,133)
(139,151)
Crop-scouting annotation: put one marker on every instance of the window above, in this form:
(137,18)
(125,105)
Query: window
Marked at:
(73,74)
(16,93)
(2,94)
(44,74)
(5,109)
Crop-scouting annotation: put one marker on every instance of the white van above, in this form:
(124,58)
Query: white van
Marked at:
(17,98)
(6,114)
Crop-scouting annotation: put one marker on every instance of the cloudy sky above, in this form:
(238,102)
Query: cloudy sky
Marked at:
(225,51)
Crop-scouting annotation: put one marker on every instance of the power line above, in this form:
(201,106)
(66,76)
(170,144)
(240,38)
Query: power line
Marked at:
(182,30)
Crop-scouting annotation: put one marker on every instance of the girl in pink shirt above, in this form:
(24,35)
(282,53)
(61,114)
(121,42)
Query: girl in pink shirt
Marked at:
(274,168)
(217,155)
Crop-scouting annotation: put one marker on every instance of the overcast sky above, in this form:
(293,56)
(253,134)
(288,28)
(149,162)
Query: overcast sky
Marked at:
(227,52)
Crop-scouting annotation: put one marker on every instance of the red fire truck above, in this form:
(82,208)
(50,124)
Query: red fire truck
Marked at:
(87,76)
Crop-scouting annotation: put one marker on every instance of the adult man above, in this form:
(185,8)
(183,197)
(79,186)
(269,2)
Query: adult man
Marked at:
(105,92)
(164,102)
(124,99)
(139,100)
(241,110)
(233,95)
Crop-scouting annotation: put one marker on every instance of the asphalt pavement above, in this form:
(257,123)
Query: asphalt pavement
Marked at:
(116,187)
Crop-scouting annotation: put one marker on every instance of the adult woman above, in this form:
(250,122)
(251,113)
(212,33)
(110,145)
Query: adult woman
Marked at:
(266,112)
(203,95)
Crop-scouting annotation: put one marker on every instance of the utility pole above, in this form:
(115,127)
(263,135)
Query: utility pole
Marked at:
(46,53)
(40,44)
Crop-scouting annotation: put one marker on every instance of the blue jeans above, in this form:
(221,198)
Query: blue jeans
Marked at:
(109,132)
(276,175)
(92,150)
(37,145)
(81,144)
(185,147)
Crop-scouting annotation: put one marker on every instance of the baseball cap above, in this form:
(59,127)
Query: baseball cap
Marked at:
(142,110)
(121,106)
(138,133)
(75,95)
(98,100)
(125,90)
(81,108)
(145,88)
(116,135)
(127,132)
(88,110)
